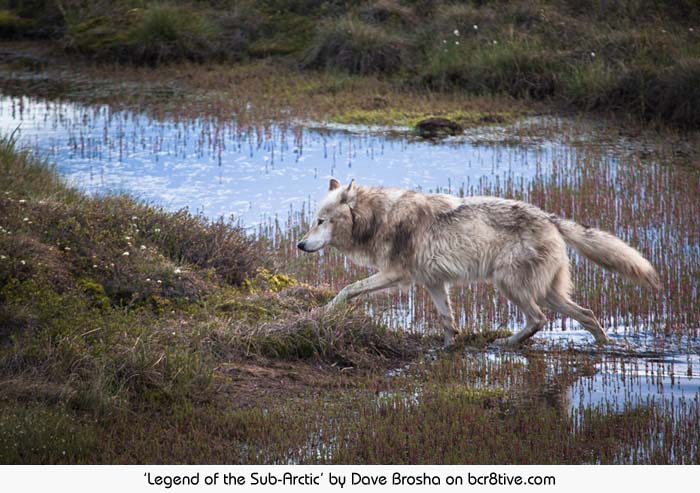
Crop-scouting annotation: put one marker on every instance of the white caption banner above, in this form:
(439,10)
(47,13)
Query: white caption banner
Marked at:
(289,479)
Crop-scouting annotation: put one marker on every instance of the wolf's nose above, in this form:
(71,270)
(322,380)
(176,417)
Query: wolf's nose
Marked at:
(301,245)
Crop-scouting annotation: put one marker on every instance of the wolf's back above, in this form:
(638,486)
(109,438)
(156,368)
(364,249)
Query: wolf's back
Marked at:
(608,251)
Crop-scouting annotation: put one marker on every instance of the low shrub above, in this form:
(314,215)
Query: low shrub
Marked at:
(166,32)
(516,67)
(665,93)
(354,46)
(159,33)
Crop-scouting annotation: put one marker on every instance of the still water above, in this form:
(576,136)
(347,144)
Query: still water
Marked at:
(222,169)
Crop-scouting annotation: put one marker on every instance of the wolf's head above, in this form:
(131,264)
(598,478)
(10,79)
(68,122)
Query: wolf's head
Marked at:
(333,225)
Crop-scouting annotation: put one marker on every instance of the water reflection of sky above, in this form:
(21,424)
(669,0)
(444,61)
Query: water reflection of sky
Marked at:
(253,172)
(637,381)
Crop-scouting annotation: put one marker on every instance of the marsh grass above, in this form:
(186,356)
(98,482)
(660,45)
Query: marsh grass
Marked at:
(166,32)
(450,410)
(107,364)
(640,61)
(108,377)
(353,45)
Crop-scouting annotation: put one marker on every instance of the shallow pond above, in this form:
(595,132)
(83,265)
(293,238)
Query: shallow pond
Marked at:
(257,173)
(252,173)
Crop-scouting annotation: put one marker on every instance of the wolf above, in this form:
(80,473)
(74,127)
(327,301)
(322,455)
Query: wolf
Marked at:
(437,240)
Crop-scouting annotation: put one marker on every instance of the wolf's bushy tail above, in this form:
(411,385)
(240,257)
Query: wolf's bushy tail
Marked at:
(608,251)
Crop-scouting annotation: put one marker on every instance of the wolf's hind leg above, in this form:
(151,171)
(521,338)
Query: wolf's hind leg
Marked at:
(534,318)
(441,297)
(563,304)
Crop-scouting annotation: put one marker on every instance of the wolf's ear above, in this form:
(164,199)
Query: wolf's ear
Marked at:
(349,194)
(333,184)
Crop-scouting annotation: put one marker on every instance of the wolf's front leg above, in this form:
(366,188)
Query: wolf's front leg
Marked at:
(441,297)
(375,282)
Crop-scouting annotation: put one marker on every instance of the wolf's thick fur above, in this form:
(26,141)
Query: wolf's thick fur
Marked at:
(437,240)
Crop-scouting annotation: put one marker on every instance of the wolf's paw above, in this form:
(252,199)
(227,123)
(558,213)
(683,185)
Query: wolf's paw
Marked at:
(335,303)
(603,340)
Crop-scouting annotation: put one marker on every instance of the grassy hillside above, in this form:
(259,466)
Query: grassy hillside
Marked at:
(637,57)
(110,307)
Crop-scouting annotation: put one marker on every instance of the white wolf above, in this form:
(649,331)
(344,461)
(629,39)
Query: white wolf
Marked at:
(437,240)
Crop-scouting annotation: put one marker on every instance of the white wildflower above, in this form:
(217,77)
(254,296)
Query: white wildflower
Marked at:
(134,218)
(67,248)
(157,230)
(2,257)
(592,54)
(94,266)
(127,238)
(22,201)
(26,219)
(444,41)
(495,42)
(178,271)
(476,28)
(125,254)
(143,247)
(457,43)
(456,32)
(148,279)
(23,262)
(159,281)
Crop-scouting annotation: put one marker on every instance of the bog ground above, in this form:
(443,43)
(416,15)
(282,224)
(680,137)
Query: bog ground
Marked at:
(154,307)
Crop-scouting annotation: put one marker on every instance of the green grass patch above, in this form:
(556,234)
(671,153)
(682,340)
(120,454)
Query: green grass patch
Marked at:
(41,434)
(407,118)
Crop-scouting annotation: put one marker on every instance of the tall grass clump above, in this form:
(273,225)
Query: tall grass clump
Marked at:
(669,93)
(348,338)
(352,45)
(166,32)
(519,68)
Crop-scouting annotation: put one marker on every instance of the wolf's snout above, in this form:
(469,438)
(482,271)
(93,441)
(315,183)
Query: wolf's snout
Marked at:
(302,245)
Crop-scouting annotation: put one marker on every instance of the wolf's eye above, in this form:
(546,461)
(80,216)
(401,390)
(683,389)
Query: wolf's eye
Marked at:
(321,221)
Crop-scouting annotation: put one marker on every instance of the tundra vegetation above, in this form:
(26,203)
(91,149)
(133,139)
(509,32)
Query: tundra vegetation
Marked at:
(634,57)
(133,334)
